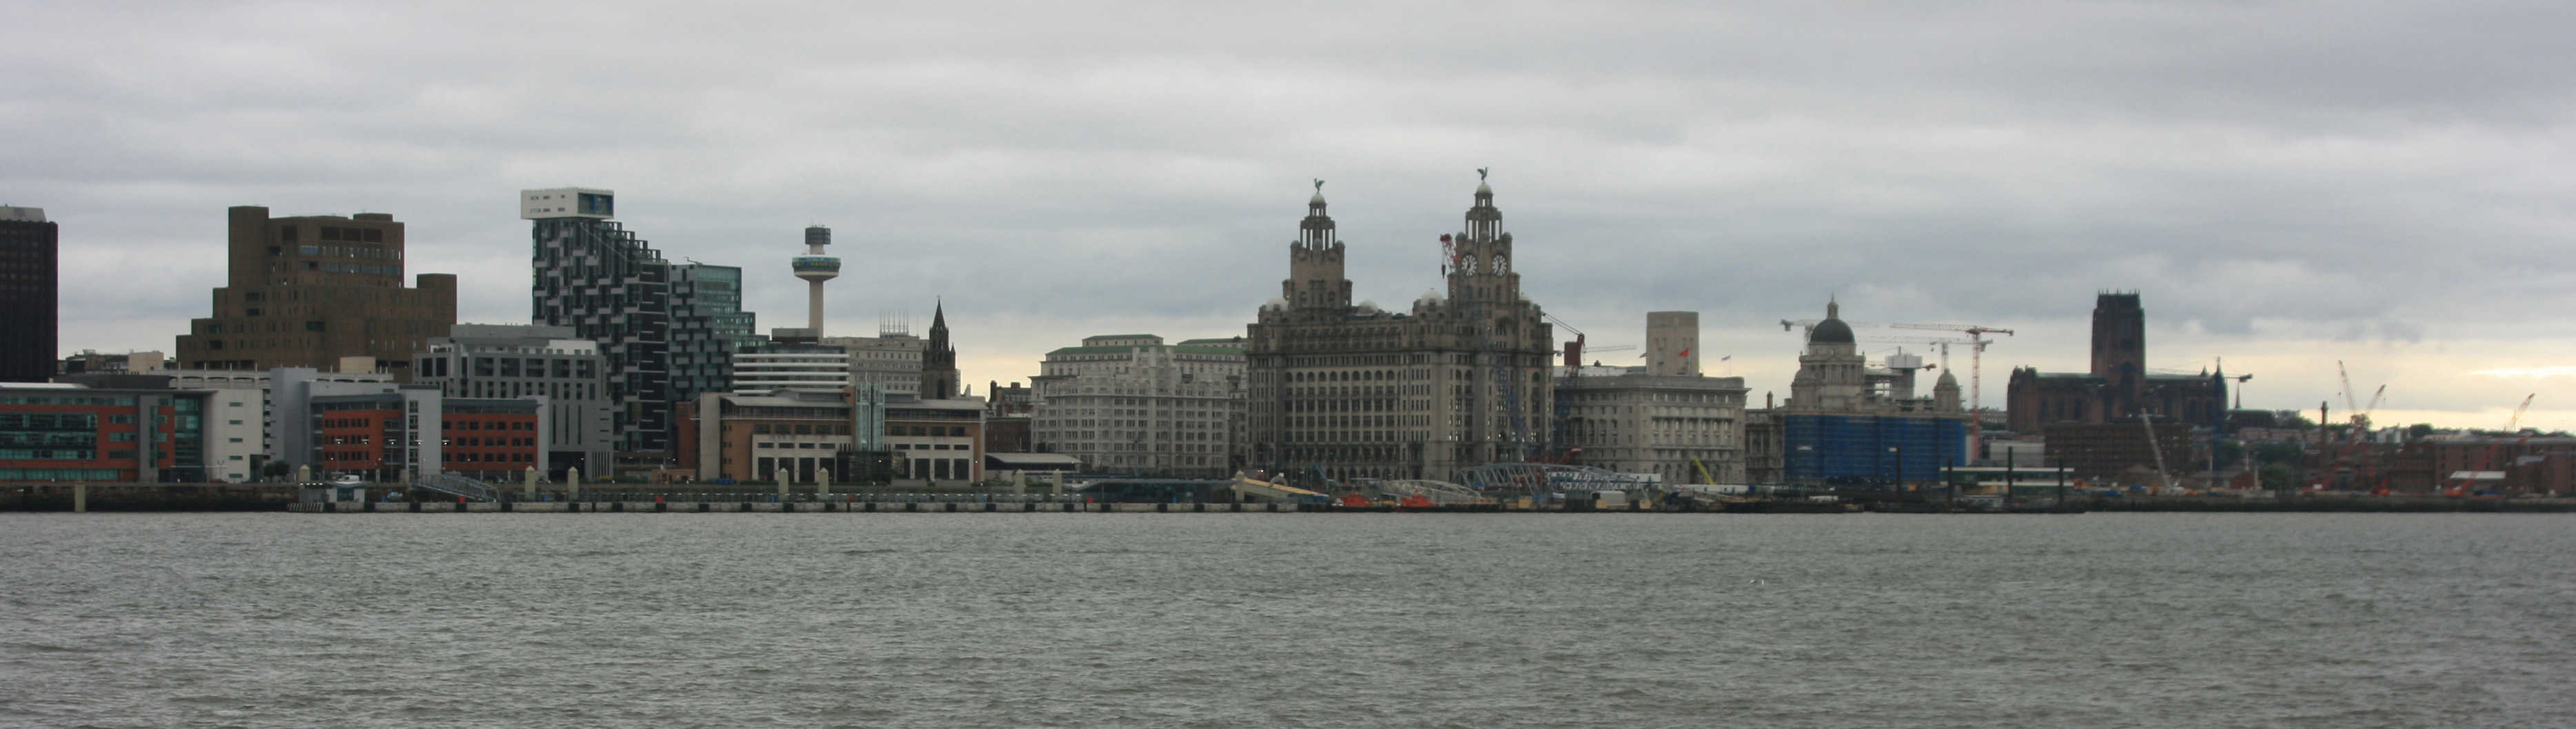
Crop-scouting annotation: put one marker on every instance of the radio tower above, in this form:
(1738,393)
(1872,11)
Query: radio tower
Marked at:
(816,268)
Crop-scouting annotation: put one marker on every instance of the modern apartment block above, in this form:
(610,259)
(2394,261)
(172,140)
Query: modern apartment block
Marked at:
(313,291)
(494,361)
(589,273)
(707,326)
(30,265)
(1129,403)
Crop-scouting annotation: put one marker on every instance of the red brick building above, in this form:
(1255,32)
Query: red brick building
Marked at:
(371,435)
(56,432)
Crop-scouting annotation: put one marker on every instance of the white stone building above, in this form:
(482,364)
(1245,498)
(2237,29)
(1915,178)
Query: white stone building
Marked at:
(1130,403)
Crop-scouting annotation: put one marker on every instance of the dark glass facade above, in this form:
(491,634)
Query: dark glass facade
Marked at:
(613,288)
(29,268)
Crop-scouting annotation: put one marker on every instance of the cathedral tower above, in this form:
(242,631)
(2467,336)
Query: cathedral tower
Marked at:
(2120,351)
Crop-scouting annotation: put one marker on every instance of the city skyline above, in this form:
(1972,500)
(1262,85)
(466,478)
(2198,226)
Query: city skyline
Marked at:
(2280,202)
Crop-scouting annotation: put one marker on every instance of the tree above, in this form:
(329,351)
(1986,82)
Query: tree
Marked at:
(2291,419)
(2419,431)
(2275,453)
(2276,477)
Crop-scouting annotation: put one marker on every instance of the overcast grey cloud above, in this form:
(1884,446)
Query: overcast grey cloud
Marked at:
(2288,184)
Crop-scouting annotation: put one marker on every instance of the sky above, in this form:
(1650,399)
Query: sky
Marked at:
(2288,185)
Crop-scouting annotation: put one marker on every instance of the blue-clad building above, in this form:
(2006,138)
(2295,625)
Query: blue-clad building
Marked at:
(1848,421)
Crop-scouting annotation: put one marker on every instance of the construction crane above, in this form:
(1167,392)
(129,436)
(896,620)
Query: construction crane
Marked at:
(1562,448)
(2240,383)
(2511,426)
(2163,482)
(1977,342)
(1808,326)
(1574,350)
(2360,415)
(1941,343)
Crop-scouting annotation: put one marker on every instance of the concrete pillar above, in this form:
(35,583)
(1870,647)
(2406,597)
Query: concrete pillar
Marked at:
(784,476)
(572,481)
(303,474)
(528,485)
(80,497)
(822,483)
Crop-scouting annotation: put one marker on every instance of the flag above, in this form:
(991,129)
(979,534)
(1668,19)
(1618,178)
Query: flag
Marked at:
(1725,358)
(1685,353)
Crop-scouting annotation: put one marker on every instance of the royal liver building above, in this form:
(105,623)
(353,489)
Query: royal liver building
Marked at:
(1359,392)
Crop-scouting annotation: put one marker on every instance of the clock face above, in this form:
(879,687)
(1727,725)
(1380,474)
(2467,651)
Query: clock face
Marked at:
(1502,263)
(1468,265)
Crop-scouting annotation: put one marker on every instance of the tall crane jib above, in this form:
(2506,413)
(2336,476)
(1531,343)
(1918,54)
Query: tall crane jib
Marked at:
(1977,342)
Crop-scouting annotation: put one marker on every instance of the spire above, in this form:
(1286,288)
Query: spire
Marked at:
(1833,309)
(938,316)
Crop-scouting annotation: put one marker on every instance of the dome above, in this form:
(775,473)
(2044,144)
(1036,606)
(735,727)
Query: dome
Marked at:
(1947,380)
(1484,189)
(1831,331)
(1318,199)
(1275,302)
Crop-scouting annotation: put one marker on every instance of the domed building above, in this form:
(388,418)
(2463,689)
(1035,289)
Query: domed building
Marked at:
(1846,421)
(1460,379)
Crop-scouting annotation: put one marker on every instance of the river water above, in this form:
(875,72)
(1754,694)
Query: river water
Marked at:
(1294,620)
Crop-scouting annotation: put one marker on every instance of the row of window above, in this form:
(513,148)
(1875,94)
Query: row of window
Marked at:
(60,474)
(331,232)
(65,400)
(51,454)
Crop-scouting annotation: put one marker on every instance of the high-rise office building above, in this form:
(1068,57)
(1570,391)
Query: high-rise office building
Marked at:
(29,266)
(593,275)
(316,291)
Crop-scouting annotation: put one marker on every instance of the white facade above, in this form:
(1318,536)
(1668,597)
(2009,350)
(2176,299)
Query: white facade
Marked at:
(1132,404)
(262,419)
(1687,428)
(891,361)
(813,371)
(235,438)
(567,202)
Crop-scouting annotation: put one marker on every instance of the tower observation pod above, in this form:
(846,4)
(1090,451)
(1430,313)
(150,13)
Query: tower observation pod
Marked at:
(816,268)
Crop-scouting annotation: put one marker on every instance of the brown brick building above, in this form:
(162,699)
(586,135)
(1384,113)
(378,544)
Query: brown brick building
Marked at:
(2119,453)
(2119,385)
(306,291)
